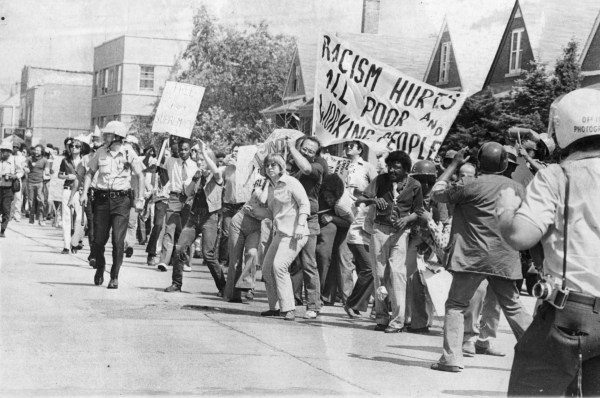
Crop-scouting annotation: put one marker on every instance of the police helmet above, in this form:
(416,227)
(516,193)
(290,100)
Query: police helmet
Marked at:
(492,158)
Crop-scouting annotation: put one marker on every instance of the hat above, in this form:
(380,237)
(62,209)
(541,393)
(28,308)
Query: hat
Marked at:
(132,139)
(450,154)
(511,154)
(6,145)
(83,138)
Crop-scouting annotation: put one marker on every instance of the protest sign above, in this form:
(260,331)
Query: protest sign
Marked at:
(243,172)
(56,185)
(177,109)
(337,165)
(275,143)
(359,98)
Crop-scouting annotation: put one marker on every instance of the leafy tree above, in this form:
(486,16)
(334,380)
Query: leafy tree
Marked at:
(485,118)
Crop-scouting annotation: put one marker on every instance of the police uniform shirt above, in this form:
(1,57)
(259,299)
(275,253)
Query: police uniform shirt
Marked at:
(114,168)
(9,166)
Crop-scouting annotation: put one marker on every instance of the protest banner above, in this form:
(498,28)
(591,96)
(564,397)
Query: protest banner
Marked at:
(275,143)
(177,109)
(337,165)
(244,171)
(359,98)
(56,185)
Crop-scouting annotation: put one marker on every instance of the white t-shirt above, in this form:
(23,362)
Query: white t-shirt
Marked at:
(544,207)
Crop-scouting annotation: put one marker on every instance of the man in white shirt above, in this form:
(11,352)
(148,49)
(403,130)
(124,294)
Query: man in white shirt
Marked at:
(360,172)
(180,171)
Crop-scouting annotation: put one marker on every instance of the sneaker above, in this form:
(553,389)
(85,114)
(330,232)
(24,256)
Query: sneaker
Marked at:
(173,288)
(488,350)
(42,223)
(187,268)
(289,315)
(310,314)
(162,267)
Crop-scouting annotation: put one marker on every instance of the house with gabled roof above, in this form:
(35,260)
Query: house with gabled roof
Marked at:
(590,56)
(464,49)
(409,55)
(538,31)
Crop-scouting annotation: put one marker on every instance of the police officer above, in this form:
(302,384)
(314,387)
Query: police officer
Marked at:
(114,164)
(560,351)
(9,171)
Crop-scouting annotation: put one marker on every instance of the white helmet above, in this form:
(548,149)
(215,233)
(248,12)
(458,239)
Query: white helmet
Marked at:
(96,132)
(6,144)
(115,127)
(574,116)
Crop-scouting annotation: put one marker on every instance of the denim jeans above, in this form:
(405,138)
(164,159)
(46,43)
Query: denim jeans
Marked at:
(334,263)
(244,238)
(388,256)
(160,211)
(464,285)
(35,199)
(207,224)
(281,253)
(547,356)
(305,270)
(227,213)
(6,198)
(110,213)
(359,298)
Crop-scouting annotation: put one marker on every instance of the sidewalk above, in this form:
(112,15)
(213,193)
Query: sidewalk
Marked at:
(61,335)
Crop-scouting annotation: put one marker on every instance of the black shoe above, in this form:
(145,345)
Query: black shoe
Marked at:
(424,330)
(236,300)
(113,284)
(380,327)
(220,293)
(270,313)
(99,277)
(79,246)
(92,262)
(74,249)
(129,252)
(173,288)
(250,295)
(65,251)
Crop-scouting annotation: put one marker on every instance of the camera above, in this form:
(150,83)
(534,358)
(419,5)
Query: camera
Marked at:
(550,292)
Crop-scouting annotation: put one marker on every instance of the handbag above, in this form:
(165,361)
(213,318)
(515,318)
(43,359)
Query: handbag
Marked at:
(16,185)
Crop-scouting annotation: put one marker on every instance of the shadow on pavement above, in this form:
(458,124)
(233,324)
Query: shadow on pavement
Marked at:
(473,393)
(395,361)
(219,310)
(67,284)
(67,265)
(434,349)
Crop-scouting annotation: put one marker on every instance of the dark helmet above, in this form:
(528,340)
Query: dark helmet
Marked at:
(424,171)
(426,167)
(492,158)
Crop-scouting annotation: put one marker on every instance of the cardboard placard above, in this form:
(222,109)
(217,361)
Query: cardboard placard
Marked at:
(275,143)
(56,185)
(177,109)
(358,97)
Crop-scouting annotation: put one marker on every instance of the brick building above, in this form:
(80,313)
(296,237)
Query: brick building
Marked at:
(9,115)
(55,103)
(129,74)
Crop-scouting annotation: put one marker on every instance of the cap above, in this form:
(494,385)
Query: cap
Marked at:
(115,127)
(511,154)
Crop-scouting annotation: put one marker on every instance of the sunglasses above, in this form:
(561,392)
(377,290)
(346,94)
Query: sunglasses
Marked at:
(271,165)
(74,146)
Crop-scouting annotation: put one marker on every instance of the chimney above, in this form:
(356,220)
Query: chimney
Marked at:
(370,17)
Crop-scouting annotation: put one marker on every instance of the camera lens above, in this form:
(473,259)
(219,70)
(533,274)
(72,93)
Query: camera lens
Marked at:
(542,290)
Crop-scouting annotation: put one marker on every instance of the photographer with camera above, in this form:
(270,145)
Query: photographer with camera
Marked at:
(560,352)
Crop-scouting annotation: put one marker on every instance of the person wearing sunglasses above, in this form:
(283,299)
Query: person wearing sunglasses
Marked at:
(72,212)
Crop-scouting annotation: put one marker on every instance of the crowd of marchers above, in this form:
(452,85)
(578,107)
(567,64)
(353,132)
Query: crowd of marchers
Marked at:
(366,239)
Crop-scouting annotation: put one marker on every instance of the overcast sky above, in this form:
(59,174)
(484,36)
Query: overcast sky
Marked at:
(62,33)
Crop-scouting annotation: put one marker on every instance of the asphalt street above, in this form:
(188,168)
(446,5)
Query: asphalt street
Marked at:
(61,335)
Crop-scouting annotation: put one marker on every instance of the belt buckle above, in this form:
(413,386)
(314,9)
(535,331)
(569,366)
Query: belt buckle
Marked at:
(112,194)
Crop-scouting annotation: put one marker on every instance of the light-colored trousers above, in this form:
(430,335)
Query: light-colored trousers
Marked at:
(78,233)
(17,203)
(388,257)
(278,283)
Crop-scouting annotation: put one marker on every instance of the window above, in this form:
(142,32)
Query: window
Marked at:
(110,86)
(96,83)
(296,81)
(516,51)
(444,62)
(147,78)
(119,78)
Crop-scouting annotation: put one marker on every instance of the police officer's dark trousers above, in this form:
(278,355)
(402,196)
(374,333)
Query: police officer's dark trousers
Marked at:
(110,213)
